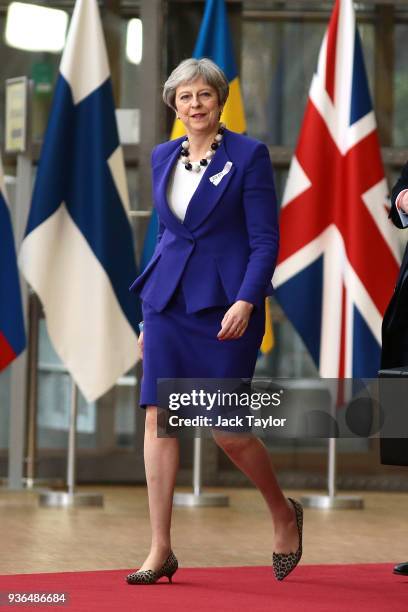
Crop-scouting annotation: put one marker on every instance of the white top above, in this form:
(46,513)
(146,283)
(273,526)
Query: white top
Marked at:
(181,187)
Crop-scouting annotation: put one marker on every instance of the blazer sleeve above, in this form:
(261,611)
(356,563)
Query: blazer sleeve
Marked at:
(160,229)
(261,215)
(399,186)
(160,225)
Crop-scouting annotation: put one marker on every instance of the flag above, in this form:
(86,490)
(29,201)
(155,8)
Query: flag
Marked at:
(78,252)
(12,333)
(214,42)
(339,255)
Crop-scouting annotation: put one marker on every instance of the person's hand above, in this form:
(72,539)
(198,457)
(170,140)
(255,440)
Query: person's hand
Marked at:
(403,203)
(235,320)
(140,344)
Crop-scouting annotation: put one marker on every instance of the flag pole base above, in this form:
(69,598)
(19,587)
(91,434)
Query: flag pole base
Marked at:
(202,499)
(62,499)
(330,502)
(35,483)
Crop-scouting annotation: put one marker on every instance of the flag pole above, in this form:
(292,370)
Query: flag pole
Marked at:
(18,383)
(71,497)
(332,501)
(197,497)
(31,480)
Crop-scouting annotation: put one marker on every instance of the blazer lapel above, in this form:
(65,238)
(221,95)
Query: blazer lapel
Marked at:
(161,175)
(208,194)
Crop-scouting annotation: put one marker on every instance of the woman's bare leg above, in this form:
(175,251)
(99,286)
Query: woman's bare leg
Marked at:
(161,456)
(251,456)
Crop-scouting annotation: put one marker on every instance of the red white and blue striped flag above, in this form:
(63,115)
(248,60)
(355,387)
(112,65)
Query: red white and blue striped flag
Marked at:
(339,254)
(12,334)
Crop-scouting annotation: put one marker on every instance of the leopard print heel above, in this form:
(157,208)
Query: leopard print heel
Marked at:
(168,568)
(284,563)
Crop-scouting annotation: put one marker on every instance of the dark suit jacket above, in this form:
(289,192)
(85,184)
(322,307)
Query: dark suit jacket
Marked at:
(226,247)
(394,451)
(395,323)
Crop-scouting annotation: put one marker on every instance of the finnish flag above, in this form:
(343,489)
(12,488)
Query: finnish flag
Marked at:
(78,253)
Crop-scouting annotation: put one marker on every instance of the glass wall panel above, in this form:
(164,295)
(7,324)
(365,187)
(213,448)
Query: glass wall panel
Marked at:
(43,68)
(54,400)
(110,422)
(130,76)
(125,413)
(400,131)
(279,59)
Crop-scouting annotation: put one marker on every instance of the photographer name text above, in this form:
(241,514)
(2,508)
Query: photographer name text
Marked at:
(236,421)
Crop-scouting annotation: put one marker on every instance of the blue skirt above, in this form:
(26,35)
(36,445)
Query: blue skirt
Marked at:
(178,344)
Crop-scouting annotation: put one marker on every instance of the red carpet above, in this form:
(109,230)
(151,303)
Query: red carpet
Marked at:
(311,588)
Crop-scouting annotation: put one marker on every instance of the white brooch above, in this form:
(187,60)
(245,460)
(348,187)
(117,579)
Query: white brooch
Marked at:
(217,178)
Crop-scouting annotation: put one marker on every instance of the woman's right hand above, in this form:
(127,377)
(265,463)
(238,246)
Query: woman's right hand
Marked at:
(140,344)
(403,202)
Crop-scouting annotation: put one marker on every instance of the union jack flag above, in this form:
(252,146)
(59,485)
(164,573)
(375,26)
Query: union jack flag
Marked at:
(339,254)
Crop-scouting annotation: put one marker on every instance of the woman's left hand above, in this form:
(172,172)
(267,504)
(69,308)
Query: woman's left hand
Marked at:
(235,321)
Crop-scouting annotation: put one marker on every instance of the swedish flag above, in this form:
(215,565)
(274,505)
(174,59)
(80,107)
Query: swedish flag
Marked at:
(214,41)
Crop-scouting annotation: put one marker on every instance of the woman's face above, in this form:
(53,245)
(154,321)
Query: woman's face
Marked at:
(198,107)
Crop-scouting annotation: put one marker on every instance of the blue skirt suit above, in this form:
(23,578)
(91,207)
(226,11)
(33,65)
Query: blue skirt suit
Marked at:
(224,250)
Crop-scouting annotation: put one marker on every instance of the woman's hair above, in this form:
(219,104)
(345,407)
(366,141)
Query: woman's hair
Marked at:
(191,69)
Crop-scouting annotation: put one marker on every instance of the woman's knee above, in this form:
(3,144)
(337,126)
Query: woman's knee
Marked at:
(151,419)
(232,444)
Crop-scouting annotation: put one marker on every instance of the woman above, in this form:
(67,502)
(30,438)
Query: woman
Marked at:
(203,294)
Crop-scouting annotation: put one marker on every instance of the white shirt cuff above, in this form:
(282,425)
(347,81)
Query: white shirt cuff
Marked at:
(403,215)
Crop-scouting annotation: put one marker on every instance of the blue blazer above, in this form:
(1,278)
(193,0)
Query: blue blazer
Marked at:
(226,248)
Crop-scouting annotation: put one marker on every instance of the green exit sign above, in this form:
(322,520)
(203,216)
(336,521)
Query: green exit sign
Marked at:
(42,74)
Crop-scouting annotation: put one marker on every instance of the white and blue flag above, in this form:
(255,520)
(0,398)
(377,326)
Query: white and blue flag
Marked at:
(78,252)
